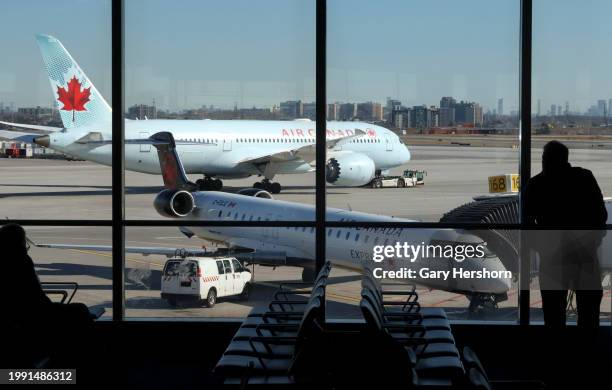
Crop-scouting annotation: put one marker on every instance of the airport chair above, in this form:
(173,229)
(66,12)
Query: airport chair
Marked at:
(298,367)
(283,293)
(431,318)
(437,342)
(411,303)
(291,312)
(439,371)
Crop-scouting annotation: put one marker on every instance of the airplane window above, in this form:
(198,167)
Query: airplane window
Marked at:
(251,217)
(356,237)
(304,229)
(348,234)
(243,217)
(235,215)
(220,212)
(259,218)
(365,240)
(229,213)
(329,232)
(312,230)
(338,234)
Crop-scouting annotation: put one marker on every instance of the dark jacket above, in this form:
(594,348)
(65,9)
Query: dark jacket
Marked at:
(571,198)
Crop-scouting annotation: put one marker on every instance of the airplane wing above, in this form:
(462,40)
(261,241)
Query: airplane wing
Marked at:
(46,129)
(18,136)
(145,251)
(306,153)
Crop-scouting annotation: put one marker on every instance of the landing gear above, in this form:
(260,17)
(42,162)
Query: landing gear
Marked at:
(209,184)
(481,304)
(269,186)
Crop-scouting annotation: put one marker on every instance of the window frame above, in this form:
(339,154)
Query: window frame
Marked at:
(118,222)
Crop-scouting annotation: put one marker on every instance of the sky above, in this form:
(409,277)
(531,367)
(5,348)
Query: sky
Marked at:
(188,53)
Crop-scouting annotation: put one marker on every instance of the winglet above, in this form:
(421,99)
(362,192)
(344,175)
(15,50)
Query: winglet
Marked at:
(170,164)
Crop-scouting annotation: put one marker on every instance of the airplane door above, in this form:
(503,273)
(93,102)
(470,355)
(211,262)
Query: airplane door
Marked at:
(389,144)
(144,147)
(227,145)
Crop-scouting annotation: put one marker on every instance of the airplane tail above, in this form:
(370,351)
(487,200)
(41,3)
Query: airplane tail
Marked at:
(170,163)
(78,100)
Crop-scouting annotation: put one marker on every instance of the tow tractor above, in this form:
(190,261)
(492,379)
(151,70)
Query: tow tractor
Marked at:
(409,178)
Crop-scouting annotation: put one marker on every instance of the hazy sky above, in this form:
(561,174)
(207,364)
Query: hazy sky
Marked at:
(190,53)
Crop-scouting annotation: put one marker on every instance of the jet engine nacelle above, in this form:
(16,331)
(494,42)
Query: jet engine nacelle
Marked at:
(349,169)
(173,204)
(256,192)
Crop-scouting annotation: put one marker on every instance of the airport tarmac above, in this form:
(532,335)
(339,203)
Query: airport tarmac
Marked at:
(56,189)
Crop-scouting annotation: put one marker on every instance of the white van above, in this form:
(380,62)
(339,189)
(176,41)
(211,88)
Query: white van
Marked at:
(204,279)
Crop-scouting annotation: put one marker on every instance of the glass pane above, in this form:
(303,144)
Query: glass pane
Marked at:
(571,103)
(169,282)
(471,275)
(54,76)
(233,82)
(77,255)
(425,99)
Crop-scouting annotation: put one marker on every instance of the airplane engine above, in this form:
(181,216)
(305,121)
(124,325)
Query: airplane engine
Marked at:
(256,192)
(172,203)
(349,169)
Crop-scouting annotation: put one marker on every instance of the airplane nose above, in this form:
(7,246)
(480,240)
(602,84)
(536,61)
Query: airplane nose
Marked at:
(42,141)
(406,154)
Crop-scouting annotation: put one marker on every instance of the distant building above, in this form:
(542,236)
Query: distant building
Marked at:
(539,107)
(369,111)
(347,111)
(468,114)
(447,116)
(142,111)
(392,105)
(420,117)
(291,109)
(309,110)
(500,106)
(447,101)
(34,112)
(553,109)
(332,111)
(400,117)
(601,107)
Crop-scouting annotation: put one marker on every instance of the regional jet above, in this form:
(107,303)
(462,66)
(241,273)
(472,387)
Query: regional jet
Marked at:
(349,248)
(215,149)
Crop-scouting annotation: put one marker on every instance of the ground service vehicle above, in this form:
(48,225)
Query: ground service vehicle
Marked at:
(409,178)
(204,279)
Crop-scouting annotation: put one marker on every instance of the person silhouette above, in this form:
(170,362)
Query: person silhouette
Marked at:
(566,206)
(26,302)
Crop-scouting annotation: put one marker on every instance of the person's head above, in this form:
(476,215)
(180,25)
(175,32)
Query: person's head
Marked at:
(13,239)
(555,157)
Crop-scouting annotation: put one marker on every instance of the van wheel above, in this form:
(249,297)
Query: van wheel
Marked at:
(377,184)
(401,183)
(211,298)
(246,292)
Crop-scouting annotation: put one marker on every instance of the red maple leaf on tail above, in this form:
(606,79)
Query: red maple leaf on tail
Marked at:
(73,98)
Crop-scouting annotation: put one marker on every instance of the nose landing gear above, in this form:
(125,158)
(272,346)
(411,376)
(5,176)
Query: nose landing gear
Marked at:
(269,186)
(209,184)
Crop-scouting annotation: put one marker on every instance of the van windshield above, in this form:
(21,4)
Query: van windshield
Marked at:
(177,267)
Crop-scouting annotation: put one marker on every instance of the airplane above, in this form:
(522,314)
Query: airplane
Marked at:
(216,149)
(348,248)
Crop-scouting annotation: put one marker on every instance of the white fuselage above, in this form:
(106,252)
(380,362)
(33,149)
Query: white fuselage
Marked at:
(221,147)
(349,248)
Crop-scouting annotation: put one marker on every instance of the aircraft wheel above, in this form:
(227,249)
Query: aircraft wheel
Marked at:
(217,184)
(275,188)
(308,275)
(401,183)
(377,184)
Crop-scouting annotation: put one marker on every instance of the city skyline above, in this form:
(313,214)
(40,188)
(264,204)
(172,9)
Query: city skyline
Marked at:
(251,64)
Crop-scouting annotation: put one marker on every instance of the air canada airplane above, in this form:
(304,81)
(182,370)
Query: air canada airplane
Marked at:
(216,149)
(350,248)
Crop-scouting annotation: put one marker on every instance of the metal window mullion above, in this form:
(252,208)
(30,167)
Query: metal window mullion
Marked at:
(118,183)
(321,147)
(525,151)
